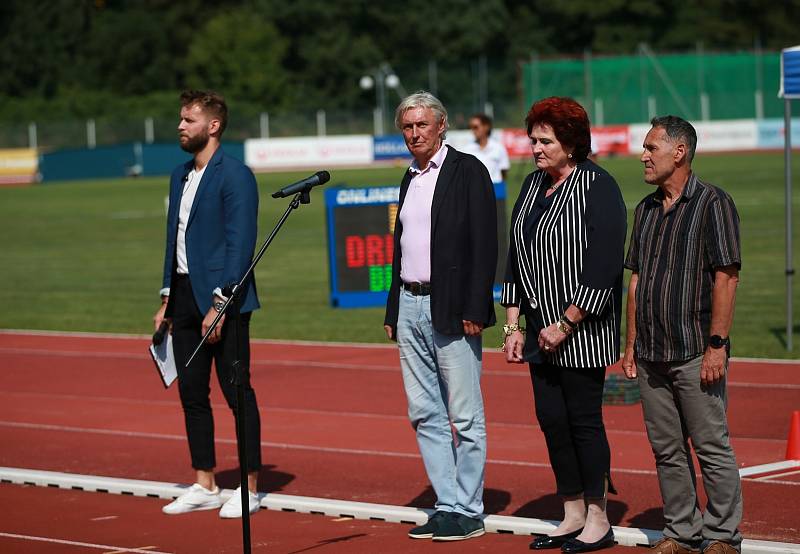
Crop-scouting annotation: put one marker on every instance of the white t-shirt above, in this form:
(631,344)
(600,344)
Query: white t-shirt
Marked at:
(187,199)
(493,156)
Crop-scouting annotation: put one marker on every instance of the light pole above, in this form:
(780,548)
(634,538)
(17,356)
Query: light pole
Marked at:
(382,77)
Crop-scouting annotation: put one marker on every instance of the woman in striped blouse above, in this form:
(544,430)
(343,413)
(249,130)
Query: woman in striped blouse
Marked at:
(564,275)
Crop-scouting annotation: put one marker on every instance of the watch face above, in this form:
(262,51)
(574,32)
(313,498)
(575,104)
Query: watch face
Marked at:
(717,341)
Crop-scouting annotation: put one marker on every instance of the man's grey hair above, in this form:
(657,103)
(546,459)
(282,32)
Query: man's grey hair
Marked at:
(422,99)
(678,130)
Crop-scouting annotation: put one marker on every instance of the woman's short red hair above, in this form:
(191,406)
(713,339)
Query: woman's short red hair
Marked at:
(568,120)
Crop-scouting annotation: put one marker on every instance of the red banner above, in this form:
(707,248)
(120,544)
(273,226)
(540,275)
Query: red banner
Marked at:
(606,141)
(610,141)
(517,143)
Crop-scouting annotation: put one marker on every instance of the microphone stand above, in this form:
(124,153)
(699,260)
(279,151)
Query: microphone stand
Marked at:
(241,371)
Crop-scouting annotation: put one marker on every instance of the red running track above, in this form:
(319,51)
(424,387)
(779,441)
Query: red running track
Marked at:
(334,426)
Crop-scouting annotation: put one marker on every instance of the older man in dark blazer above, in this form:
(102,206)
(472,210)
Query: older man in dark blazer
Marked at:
(211,235)
(445,246)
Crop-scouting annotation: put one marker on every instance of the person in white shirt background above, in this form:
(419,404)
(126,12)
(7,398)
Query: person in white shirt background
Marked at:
(487,149)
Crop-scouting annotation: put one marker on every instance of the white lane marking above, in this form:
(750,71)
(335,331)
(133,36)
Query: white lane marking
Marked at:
(777,475)
(303,447)
(283,446)
(765,468)
(307,411)
(132,336)
(625,536)
(366,345)
(85,544)
(324,365)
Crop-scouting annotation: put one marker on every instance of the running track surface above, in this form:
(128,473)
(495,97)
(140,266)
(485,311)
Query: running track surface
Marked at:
(334,426)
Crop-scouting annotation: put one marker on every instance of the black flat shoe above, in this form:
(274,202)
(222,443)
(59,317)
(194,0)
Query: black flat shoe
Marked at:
(574,546)
(546,541)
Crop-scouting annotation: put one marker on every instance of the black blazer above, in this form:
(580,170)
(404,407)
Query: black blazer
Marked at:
(463,246)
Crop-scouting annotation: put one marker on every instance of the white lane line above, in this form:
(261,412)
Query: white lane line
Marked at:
(777,475)
(365,345)
(303,447)
(625,536)
(766,468)
(307,411)
(131,336)
(105,547)
(282,446)
(323,365)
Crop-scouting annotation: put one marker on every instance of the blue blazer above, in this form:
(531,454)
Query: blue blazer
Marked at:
(221,233)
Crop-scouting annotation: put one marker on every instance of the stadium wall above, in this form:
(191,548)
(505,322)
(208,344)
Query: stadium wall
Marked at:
(24,165)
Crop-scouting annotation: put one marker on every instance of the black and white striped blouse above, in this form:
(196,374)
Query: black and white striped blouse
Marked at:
(573,254)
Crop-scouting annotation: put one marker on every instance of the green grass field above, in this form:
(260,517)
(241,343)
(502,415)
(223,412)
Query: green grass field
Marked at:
(87,256)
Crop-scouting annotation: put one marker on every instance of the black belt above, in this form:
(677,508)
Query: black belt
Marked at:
(180,276)
(418,289)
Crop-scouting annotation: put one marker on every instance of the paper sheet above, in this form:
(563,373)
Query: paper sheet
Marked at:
(165,360)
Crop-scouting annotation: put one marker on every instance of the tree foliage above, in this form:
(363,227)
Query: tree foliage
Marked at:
(240,54)
(101,56)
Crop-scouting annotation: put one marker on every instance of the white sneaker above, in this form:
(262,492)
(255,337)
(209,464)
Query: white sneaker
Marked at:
(233,507)
(196,498)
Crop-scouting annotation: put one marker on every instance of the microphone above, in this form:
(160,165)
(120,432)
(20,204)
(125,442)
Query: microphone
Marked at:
(158,336)
(319,178)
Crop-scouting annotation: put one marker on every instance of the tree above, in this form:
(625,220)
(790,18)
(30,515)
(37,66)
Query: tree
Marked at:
(240,54)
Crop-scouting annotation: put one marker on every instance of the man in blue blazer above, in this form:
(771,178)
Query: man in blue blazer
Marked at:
(211,235)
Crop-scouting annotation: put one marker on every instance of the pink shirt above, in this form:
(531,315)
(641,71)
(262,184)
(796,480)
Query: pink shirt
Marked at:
(415,242)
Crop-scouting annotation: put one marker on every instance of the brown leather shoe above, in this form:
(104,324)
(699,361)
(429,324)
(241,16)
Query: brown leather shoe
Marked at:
(671,546)
(719,547)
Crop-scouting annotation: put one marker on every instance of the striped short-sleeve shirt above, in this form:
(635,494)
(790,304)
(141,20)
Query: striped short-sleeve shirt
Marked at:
(675,255)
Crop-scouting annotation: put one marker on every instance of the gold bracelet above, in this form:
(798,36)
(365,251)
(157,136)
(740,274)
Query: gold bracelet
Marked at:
(509,328)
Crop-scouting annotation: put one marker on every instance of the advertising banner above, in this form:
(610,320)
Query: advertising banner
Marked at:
(517,143)
(611,140)
(390,147)
(771,133)
(312,152)
(721,136)
(19,165)
(712,136)
(458,139)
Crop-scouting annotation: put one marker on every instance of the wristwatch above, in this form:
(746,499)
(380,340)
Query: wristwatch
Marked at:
(565,325)
(716,341)
(218,305)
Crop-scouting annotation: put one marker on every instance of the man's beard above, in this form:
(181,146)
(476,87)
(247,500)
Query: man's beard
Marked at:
(193,145)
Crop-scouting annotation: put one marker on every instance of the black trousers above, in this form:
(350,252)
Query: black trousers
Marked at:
(194,382)
(569,407)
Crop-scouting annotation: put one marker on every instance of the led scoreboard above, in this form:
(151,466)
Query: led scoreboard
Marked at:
(361,245)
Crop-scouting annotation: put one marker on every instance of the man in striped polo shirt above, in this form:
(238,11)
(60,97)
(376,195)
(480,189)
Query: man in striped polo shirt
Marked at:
(685,258)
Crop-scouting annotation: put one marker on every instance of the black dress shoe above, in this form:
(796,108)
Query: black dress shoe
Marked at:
(546,541)
(574,546)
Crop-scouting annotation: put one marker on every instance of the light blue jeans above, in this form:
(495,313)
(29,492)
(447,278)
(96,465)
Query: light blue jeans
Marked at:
(441,374)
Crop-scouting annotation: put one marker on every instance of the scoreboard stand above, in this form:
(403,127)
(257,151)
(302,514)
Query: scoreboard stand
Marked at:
(360,223)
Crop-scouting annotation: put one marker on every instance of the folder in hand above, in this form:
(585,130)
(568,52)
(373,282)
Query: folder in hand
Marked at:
(161,352)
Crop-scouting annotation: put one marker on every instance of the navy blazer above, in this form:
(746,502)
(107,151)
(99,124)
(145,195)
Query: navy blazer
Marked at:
(221,232)
(463,246)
